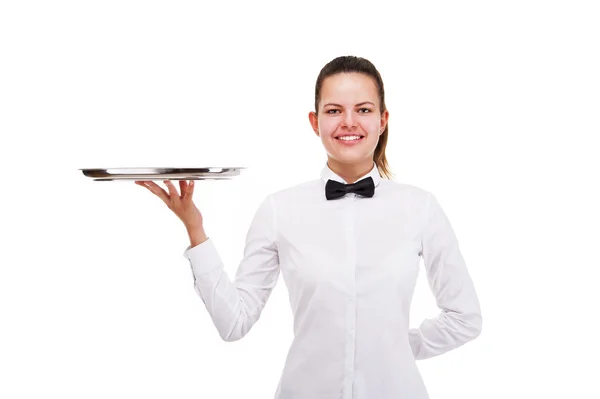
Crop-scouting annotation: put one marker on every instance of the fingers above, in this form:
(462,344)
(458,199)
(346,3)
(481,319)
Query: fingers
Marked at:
(186,189)
(175,199)
(189,191)
(156,189)
(172,197)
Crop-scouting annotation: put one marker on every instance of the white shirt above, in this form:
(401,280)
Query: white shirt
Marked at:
(350,266)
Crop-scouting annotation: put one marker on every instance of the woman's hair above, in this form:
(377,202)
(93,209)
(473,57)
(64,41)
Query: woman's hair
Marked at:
(347,64)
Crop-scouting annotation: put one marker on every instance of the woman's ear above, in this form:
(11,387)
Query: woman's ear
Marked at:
(314,121)
(385,115)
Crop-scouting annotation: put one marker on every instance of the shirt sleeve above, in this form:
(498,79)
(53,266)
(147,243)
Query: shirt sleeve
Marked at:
(459,320)
(235,306)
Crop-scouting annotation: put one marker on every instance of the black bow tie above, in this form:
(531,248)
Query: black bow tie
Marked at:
(335,189)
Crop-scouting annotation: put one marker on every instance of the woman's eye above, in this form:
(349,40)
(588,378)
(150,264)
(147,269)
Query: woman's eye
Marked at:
(362,110)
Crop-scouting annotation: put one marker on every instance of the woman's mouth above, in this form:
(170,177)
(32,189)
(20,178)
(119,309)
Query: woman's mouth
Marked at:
(350,139)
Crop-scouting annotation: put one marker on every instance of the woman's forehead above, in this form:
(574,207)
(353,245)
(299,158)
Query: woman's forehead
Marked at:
(349,88)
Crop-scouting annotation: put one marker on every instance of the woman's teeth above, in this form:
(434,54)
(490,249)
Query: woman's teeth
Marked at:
(349,138)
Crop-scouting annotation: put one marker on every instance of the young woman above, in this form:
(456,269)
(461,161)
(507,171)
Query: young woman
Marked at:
(348,246)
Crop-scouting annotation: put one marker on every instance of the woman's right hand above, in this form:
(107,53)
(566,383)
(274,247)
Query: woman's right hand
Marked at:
(181,204)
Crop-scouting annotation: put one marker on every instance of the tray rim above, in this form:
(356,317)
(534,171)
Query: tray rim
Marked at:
(163,173)
(159,178)
(186,169)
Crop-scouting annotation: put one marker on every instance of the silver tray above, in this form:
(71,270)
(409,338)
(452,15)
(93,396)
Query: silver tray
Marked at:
(142,173)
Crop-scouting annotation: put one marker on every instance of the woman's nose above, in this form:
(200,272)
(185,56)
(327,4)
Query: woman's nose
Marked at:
(349,119)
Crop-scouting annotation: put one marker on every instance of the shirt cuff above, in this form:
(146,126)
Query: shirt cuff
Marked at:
(203,258)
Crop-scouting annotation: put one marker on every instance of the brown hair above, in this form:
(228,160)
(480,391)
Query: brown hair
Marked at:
(347,64)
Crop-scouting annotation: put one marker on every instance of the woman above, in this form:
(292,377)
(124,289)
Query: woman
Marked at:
(348,246)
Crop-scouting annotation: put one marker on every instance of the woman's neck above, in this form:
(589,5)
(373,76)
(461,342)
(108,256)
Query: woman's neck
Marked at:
(350,172)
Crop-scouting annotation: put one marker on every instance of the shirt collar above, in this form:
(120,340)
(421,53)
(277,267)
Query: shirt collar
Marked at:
(327,174)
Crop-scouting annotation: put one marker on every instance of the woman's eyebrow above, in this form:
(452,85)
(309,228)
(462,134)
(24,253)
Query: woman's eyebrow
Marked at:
(357,105)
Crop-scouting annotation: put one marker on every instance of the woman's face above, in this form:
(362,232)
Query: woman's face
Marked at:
(349,119)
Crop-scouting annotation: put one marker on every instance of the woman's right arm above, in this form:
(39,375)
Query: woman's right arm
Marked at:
(234,306)
(197,236)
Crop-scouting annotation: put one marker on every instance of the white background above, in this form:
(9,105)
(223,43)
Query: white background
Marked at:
(494,107)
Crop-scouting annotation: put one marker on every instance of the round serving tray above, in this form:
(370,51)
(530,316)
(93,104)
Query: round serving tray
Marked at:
(143,173)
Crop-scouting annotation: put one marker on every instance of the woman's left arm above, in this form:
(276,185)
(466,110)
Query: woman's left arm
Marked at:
(459,320)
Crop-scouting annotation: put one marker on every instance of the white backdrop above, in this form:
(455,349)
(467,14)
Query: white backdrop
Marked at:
(494,108)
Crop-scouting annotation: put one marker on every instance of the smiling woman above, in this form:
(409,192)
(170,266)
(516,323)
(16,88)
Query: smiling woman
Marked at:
(348,245)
